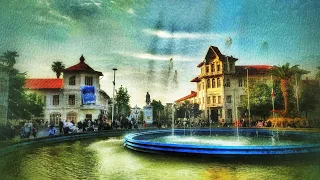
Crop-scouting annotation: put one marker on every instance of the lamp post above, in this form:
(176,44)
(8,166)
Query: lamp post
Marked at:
(114,84)
(248,94)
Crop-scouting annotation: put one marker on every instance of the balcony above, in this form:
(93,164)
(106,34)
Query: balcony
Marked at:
(214,105)
(215,73)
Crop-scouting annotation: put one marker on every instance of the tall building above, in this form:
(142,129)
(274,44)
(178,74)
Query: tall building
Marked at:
(75,97)
(221,85)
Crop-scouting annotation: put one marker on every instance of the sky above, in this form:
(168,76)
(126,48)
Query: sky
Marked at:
(139,37)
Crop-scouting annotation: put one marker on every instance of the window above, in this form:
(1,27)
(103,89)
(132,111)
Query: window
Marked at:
(212,67)
(72,117)
(207,69)
(229,113)
(214,99)
(199,86)
(55,118)
(202,85)
(229,99)
(218,67)
(72,80)
(89,117)
(227,82)
(218,82)
(213,82)
(88,81)
(219,99)
(72,100)
(240,82)
(208,83)
(55,100)
(244,83)
(202,100)
(209,100)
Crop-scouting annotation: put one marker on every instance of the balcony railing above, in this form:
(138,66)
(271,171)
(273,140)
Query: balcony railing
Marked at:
(211,73)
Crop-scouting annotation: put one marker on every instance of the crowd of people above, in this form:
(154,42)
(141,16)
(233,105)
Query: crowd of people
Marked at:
(28,129)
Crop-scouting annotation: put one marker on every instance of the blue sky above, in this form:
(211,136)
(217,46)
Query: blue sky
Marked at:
(139,38)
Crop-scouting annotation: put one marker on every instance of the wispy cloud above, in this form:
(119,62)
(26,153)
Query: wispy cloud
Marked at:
(184,35)
(130,11)
(148,56)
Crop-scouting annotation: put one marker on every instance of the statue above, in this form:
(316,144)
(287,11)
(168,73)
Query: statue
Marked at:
(148,98)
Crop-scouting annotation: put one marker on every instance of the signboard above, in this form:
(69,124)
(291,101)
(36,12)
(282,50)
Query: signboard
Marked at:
(88,95)
(147,114)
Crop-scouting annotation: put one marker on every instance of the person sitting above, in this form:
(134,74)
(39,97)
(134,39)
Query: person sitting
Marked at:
(52,130)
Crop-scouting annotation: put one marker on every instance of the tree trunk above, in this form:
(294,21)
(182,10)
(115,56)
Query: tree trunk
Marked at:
(284,84)
(58,74)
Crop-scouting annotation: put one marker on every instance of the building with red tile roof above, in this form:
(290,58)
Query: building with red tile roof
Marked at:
(191,97)
(75,97)
(37,84)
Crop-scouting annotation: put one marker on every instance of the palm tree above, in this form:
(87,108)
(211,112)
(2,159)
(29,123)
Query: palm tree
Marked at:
(285,74)
(9,58)
(57,67)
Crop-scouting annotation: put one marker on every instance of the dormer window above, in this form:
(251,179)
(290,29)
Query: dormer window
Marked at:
(212,67)
(72,80)
(218,67)
(88,81)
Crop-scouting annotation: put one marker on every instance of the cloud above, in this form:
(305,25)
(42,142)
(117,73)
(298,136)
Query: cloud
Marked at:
(130,11)
(184,35)
(148,56)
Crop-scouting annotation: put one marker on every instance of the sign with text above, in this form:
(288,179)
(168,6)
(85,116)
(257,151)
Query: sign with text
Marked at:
(88,95)
(147,114)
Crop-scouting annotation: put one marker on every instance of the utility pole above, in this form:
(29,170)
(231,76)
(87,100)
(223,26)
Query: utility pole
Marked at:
(114,84)
(248,94)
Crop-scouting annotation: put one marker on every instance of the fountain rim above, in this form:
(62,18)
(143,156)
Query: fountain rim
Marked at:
(155,147)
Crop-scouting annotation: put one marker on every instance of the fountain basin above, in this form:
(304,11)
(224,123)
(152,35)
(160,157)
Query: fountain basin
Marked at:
(224,142)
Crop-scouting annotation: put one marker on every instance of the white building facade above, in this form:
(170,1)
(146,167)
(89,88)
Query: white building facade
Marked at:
(76,97)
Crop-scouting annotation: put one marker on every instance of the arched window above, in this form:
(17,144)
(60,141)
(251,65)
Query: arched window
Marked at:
(213,82)
(208,83)
(72,80)
(218,82)
(55,118)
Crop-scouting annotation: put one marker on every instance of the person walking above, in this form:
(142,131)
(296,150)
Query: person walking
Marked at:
(34,132)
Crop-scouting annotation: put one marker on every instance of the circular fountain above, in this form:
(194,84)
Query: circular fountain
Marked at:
(225,142)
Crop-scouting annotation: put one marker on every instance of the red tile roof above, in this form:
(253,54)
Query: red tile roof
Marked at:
(193,94)
(82,66)
(44,84)
(253,69)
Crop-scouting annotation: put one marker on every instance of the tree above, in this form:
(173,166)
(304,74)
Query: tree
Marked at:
(122,102)
(285,74)
(318,73)
(9,58)
(260,99)
(156,108)
(310,97)
(57,67)
(187,108)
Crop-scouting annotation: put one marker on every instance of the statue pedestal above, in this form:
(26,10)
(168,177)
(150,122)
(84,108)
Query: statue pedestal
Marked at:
(147,114)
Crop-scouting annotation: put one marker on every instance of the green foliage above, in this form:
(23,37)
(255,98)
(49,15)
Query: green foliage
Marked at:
(318,73)
(156,108)
(9,58)
(186,108)
(260,99)
(310,97)
(57,67)
(122,102)
(287,72)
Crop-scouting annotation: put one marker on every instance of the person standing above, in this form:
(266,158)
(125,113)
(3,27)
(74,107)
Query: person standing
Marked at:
(60,126)
(34,132)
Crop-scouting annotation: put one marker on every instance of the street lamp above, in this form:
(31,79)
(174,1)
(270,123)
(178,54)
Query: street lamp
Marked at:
(249,114)
(114,84)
